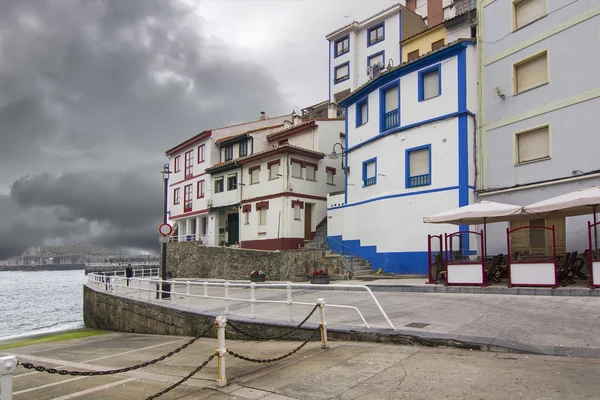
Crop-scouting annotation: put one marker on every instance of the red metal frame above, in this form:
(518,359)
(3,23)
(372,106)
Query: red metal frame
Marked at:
(449,261)
(509,261)
(432,281)
(592,252)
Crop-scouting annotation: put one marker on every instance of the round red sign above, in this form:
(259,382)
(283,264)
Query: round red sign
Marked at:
(165,229)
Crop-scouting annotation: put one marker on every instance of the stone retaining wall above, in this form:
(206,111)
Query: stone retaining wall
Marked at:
(192,260)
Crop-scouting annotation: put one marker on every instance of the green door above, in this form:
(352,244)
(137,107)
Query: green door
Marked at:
(233,228)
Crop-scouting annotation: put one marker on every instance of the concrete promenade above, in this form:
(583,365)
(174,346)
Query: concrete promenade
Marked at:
(347,370)
(548,325)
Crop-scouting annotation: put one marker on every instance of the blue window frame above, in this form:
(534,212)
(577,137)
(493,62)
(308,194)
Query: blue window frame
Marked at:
(389,106)
(341,46)
(418,166)
(369,172)
(341,72)
(362,112)
(376,34)
(430,82)
(379,56)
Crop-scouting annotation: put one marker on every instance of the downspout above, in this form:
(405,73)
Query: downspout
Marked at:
(240,186)
(480,172)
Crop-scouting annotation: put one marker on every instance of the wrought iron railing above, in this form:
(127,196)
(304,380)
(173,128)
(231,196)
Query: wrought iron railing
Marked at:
(391,119)
(369,181)
(419,180)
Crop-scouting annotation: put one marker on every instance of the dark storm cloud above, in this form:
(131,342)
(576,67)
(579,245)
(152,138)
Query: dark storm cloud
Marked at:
(105,86)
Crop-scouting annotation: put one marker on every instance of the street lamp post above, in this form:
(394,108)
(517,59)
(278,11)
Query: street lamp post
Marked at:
(163,262)
(335,155)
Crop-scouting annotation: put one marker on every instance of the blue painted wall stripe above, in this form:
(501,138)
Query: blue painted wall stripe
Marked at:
(345,155)
(463,144)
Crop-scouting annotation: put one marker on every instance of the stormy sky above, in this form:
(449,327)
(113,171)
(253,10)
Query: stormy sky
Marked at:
(92,92)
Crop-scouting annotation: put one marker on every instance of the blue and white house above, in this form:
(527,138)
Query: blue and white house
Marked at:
(408,154)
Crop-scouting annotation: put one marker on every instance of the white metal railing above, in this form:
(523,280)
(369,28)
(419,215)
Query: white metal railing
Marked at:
(116,264)
(148,287)
(137,273)
(189,238)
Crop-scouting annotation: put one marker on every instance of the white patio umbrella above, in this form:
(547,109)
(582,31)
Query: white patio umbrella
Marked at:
(477,213)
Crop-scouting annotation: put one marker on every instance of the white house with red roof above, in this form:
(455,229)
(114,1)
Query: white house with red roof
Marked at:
(260,185)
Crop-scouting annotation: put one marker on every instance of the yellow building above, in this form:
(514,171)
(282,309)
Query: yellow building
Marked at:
(424,42)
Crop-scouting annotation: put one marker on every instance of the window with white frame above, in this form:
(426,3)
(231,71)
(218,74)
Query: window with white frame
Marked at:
(528,11)
(297,211)
(311,172)
(342,72)
(219,185)
(533,145)
(262,216)
(330,176)
(342,46)
(296,169)
(232,182)
(274,171)
(254,175)
(531,73)
(418,173)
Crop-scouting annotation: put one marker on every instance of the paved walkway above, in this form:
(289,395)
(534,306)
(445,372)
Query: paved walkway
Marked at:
(552,325)
(347,370)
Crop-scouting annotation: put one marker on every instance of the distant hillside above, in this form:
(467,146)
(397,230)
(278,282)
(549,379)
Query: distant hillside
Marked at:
(68,250)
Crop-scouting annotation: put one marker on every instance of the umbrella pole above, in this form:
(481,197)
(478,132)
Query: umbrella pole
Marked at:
(595,230)
(484,238)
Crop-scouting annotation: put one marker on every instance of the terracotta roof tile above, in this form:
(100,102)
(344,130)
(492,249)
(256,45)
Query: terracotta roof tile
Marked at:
(221,164)
(289,128)
(278,149)
(227,138)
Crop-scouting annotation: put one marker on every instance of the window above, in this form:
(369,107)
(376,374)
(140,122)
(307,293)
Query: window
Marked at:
(376,58)
(533,145)
(228,152)
(200,189)
(412,55)
(254,171)
(528,11)
(311,174)
(418,166)
(531,73)
(296,170)
(262,216)
(342,46)
(369,172)
(330,175)
(389,98)
(189,164)
(177,163)
(200,154)
(243,148)
(187,198)
(430,83)
(246,217)
(362,112)
(176,196)
(274,170)
(437,44)
(232,182)
(342,72)
(375,34)
(219,185)
(297,211)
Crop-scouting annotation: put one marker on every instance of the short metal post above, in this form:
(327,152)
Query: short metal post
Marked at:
(253,300)
(323,324)
(221,322)
(172,292)
(289,301)
(160,289)
(187,294)
(8,365)
(226,298)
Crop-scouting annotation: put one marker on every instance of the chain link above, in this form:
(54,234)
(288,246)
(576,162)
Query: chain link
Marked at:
(40,368)
(270,360)
(173,386)
(250,335)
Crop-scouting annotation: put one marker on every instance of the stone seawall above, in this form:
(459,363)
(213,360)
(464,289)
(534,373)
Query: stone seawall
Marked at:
(192,260)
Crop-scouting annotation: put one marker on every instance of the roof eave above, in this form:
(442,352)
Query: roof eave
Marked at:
(193,140)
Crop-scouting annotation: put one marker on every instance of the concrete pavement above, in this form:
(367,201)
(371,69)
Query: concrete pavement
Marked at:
(347,370)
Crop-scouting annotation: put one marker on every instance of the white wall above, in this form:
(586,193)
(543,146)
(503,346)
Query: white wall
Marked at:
(253,231)
(227,197)
(458,31)
(265,186)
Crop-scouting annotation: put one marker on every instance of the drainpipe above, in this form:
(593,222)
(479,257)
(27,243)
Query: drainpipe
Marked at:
(240,213)
(479,170)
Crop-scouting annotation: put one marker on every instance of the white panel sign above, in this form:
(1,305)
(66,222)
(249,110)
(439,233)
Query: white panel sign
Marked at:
(596,273)
(465,273)
(532,274)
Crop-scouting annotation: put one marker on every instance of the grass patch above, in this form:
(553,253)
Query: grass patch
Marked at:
(78,334)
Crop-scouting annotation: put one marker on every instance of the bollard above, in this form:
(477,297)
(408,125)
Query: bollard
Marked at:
(323,324)
(187,294)
(252,300)
(221,351)
(172,292)
(226,298)
(8,365)
(289,301)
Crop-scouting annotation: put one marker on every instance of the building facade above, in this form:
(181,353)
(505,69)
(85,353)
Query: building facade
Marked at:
(260,185)
(537,121)
(409,153)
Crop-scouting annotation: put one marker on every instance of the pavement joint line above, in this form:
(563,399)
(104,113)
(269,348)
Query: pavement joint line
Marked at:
(95,389)
(49,385)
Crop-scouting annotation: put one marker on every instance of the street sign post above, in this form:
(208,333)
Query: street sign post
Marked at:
(165,229)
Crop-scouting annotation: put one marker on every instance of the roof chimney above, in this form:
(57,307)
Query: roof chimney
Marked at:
(411,5)
(435,12)
(262,115)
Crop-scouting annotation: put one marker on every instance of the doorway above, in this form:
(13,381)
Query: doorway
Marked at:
(307,221)
(233,228)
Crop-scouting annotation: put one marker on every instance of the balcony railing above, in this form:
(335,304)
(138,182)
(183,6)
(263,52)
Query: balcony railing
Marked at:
(391,119)
(369,181)
(419,180)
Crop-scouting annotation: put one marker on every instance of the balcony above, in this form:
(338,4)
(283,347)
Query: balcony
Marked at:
(419,180)
(369,181)
(391,120)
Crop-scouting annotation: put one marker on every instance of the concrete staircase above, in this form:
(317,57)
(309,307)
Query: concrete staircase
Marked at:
(361,268)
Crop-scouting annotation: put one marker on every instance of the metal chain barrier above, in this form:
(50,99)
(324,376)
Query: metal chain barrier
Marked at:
(245,333)
(40,368)
(270,360)
(173,386)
